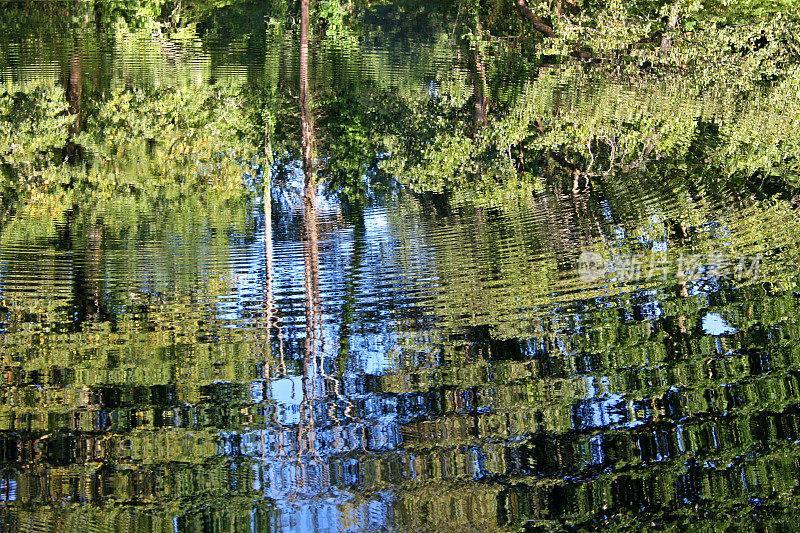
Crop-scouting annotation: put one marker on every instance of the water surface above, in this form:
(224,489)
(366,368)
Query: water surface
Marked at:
(610,354)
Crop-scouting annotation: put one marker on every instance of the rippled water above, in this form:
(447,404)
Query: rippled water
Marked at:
(621,354)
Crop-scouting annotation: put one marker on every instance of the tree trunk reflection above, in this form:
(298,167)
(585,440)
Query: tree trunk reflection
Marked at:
(480,86)
(306,119)
(73,152)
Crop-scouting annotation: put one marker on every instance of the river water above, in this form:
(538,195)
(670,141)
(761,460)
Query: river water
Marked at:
(617,354)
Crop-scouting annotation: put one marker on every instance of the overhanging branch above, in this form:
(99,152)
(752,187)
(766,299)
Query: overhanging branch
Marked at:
(538,24)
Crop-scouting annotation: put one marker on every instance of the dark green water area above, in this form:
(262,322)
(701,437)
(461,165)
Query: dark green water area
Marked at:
(406,267)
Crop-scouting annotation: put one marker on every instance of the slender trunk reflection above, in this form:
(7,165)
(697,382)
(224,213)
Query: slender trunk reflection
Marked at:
(480,86)
(311,362)
(269,303)
(73,152)
(306,119)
